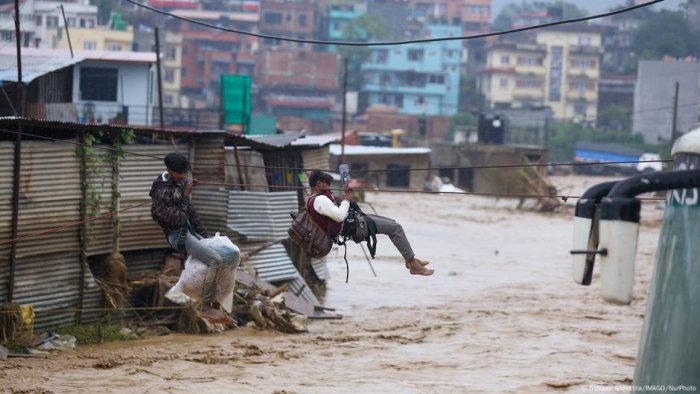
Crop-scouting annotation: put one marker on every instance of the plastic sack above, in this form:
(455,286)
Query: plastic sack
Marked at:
(191,282)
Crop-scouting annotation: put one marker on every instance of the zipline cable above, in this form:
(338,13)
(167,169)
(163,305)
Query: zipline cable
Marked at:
(392,43)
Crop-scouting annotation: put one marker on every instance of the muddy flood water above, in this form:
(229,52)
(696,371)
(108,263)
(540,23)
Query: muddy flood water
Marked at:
(501,314)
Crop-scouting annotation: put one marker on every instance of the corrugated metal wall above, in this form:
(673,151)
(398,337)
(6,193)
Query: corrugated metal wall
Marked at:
(6,168)
(209,159)
(261,216)
(316,159)
(47,268)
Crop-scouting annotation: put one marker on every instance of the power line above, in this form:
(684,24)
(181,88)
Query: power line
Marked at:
(389,43)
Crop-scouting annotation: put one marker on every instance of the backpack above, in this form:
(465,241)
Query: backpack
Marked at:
(359,227)
(309,236)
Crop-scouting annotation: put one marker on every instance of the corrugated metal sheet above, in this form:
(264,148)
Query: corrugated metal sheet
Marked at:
(272,264)
(49,282)
(6,169)
(316,159)
(211,204)
(299,287)
(49,197)
(99,177)
(208,161)
(251,167)
(261,216)
(320,268)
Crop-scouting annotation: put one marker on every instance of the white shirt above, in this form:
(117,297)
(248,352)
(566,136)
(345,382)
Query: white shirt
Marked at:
(325,207)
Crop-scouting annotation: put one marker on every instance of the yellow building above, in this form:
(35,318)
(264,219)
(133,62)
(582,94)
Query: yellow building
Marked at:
(92,39)
(560,71)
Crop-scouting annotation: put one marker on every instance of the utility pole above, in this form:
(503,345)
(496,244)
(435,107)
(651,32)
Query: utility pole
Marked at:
(17,160)
(65,23)
(674,122)
(345,96)
(160,79)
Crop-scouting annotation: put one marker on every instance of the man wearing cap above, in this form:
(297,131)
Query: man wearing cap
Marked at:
(172,209)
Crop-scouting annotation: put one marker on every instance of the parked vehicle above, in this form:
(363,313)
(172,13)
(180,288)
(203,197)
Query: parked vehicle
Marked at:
(614,159)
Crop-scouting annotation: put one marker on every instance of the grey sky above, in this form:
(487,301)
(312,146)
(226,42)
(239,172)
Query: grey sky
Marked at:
(593,6)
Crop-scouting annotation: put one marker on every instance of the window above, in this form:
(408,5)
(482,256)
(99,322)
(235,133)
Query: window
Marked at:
(38,20)
(382,56)
(415,55)
(478,10)
(303,20)
(583,63)
(90,23)
(503,82)
(183,72)
(170,53)
(582,86)
(398,175)
(436,79)
(114,47)
(168,99)
(584,40)
(98,83)
(529,61)
(505,59)
(420,100)
(83,22)
(273,18)
(8,36)
(169,75)
(527,83)
(580,109)
(89,45)
(71,22)
(51,21)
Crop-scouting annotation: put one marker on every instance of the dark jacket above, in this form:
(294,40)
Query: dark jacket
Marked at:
(172,209)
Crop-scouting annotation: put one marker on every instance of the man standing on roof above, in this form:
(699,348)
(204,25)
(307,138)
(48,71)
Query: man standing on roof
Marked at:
(327,213)
(172,209)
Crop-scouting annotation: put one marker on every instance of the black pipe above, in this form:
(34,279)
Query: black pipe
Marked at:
(620,203)
(658,181)
(586,205)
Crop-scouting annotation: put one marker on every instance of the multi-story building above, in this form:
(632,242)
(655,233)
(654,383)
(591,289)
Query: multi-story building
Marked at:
(654,96)
(297,83)
(560,71)
(339,17)
(171,60)
(37,18)
(291,19)
(419,79)
(100,38)
(207,54)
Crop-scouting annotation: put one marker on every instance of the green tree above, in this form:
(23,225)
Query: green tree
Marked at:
(364,28)
(558,10)
(664,33)
(616,117)
(564,135)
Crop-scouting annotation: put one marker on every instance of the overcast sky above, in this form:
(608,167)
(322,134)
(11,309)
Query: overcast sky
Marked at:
(593,6)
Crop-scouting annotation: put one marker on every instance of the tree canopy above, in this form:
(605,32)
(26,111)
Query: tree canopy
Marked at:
(665,33)
(558,10)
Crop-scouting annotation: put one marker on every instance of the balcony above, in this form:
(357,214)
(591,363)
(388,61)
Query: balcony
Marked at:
(575,95)
(428,89)
(585,50)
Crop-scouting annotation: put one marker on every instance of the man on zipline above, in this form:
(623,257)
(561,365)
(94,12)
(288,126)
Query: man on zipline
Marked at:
(327,213)
(183,229)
